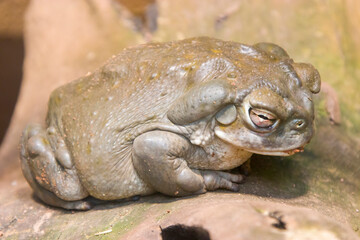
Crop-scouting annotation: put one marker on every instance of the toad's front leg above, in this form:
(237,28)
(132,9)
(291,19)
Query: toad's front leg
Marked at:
(161,158)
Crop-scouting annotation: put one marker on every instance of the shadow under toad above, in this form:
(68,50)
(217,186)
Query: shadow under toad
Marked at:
(276,177)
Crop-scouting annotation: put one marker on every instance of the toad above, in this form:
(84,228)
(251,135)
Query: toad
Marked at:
(171,118)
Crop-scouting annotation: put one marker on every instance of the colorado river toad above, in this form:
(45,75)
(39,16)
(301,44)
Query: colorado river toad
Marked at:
(170,118)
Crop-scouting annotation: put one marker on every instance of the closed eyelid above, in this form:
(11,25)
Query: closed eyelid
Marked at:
(268,100)
(271,108)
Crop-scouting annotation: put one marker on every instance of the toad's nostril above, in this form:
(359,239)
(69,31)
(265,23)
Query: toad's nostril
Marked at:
(299,123)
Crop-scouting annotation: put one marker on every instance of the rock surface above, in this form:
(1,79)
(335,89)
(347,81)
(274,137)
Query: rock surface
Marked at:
(313,195)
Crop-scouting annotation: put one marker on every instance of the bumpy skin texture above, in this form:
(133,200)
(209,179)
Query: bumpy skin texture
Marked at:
(168,117)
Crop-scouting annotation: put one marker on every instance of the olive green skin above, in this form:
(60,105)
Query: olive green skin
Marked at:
(190,97)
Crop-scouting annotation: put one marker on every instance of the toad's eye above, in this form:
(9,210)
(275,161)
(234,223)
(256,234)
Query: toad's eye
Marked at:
(262,118)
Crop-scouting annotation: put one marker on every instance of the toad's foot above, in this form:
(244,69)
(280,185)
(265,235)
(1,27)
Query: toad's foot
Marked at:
(47,167)
(221,180)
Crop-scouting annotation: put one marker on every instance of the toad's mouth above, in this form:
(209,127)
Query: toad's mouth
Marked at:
(277,153)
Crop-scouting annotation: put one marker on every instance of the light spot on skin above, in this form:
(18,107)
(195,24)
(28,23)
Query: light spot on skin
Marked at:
(247,50)
(51,130)
(231,76)
(196,141)
(154,75)
(216,51)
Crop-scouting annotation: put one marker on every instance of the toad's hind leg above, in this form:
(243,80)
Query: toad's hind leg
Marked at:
(47,166)
(161,159)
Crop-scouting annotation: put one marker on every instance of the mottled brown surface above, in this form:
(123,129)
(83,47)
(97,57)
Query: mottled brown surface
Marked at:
(325,178)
